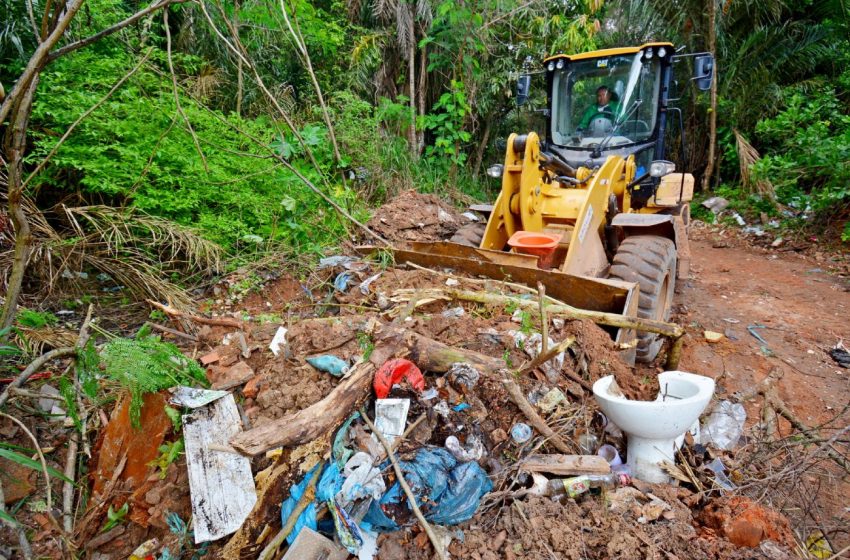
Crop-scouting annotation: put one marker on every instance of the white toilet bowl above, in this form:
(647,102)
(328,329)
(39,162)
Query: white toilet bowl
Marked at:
(655,429)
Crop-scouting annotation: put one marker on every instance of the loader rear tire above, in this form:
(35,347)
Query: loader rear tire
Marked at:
(649,260)
(470,234)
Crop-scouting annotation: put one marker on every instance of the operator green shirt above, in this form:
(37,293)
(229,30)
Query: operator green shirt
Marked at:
(609,111)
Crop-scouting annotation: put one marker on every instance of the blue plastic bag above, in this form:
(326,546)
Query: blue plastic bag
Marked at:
(329,364)
(308,516)
(342,280)
(341,453)
(446,491)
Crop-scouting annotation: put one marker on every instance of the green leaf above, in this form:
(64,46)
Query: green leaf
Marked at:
(8,518)
(25,461)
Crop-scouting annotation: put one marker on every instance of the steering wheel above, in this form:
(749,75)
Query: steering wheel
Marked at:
(600,125)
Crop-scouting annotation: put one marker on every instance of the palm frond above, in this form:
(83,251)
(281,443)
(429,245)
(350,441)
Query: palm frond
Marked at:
(747,157)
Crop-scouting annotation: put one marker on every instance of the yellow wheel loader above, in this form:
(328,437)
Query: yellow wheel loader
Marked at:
(595,211)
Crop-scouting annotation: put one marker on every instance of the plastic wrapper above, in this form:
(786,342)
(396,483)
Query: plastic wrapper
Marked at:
(329,364)
(725,425)
(393,372)
(362,479)
(473,451)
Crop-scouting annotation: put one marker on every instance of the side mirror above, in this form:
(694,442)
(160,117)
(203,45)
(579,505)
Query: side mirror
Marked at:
(523,86)
(704,71)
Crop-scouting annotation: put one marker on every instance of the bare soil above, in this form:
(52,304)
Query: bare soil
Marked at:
(412,216)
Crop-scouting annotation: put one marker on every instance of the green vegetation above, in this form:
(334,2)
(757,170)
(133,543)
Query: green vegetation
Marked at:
(141,365)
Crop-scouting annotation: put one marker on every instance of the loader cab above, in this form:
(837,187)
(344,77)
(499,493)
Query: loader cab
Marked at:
(583,130)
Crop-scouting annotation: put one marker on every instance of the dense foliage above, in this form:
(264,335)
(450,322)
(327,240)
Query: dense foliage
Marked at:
(418,95)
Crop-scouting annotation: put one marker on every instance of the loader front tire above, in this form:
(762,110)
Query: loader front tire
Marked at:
(649,260)
(470,234)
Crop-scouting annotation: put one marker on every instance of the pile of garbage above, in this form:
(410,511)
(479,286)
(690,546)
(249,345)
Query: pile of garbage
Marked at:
(403,424)
(376,415)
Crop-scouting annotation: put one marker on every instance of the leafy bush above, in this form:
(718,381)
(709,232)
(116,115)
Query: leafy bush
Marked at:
(136,150)
(808,146)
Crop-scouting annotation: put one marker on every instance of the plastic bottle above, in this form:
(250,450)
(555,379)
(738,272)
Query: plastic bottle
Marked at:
(578,485)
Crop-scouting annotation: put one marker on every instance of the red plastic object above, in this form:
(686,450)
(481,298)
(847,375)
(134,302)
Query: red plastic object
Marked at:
(539,244)
(534,243)
(393,372)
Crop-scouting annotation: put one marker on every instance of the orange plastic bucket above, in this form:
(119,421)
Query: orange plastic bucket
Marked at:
(539,244)
(534,243)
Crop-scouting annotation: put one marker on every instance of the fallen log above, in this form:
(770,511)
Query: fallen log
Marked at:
(431,355)
(325,415)
(311,422)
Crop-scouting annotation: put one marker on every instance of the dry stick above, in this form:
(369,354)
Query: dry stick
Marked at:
(779,406)
(545,356)
(220,322)
(74,443)
(515,393)
(306,499)
(88,112)
(767,388)
(400,475)
(176,94)
(175,332)
(544,331)
(840,553)
(34,367)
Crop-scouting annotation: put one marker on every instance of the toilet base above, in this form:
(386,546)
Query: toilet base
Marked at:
(646,455)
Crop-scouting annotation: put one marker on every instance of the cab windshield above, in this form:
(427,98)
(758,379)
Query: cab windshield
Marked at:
(615,95)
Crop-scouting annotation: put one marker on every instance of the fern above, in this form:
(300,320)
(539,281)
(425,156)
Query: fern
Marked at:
(147,365)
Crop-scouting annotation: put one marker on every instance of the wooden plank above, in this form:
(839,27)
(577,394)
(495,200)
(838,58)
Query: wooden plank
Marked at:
(566,464)
(221,484)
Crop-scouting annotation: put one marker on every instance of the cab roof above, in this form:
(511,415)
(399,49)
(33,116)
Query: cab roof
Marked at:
(606,52)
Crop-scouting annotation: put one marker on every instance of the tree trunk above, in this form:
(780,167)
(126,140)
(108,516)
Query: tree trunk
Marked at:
(482,147)
(423,88)
(712,117)
(411,65)
(14,146)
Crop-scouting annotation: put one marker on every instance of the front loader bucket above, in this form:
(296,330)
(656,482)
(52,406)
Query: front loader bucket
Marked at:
(593,294)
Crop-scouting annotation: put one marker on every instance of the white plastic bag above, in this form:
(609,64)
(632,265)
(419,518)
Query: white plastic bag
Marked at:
(725,425)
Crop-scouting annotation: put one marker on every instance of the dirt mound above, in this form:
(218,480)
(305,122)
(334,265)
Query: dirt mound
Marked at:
(583,529)
(412,216)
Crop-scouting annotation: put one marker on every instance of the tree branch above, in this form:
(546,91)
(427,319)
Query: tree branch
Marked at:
(39,58)
(70,47)
(34,367)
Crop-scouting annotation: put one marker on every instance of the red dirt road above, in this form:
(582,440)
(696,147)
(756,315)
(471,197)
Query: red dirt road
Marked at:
(805,312)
